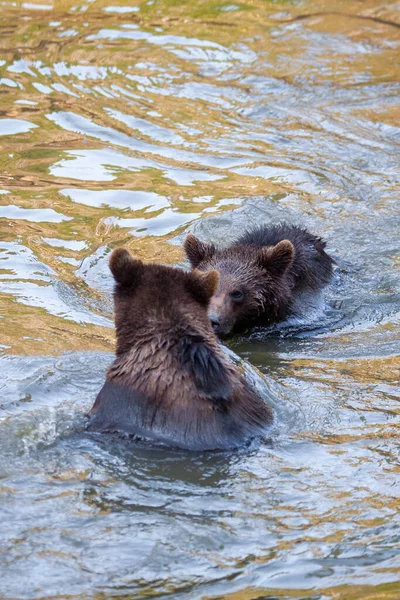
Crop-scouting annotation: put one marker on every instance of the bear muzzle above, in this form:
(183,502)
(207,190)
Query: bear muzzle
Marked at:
(221,320)
(215,321)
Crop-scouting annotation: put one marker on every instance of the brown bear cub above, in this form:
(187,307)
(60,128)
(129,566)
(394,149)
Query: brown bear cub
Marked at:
(170,381)
(262,275)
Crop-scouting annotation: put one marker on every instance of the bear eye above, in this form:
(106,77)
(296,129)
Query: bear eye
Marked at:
(237,295)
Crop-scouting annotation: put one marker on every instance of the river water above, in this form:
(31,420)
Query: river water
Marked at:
(131,123)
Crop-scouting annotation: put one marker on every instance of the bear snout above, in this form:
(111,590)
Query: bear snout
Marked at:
(215,321)
(220,328)
(221,317)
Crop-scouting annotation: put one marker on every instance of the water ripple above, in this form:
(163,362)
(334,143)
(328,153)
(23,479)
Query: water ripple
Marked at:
(130,125)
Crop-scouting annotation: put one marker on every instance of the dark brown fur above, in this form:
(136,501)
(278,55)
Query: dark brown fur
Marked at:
(170,381)
(261,275)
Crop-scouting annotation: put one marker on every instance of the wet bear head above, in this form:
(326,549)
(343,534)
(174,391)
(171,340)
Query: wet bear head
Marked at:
(156,298)
(251,281)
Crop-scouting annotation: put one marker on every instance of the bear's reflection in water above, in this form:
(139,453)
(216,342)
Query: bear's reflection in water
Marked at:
(170,381)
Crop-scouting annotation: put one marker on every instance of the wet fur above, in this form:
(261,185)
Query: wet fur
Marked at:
(311,267)
(170,381)
(272,265)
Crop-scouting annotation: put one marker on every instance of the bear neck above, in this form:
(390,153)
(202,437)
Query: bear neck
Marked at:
(160,330)
(154,351)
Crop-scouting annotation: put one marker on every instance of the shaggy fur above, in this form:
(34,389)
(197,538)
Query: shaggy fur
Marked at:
(170,382)
(261,275)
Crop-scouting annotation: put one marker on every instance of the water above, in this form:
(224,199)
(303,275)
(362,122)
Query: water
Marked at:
(131,124)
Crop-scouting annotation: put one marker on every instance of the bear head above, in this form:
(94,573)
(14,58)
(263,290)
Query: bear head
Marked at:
(252,281)
(150,299)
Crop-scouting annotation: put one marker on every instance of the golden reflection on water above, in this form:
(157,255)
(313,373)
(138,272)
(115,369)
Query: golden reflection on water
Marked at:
(344,371)
(182,94)
(389,591)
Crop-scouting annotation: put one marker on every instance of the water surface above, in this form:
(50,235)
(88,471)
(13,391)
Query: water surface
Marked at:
(132,123)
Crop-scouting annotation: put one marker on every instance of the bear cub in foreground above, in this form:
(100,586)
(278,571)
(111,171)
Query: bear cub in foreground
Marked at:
(262,275)
(170,381)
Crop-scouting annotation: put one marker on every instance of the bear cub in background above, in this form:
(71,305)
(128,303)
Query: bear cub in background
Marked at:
(170,381)
(262,275)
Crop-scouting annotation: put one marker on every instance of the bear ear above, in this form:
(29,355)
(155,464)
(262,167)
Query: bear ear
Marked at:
(277,259)
(209,280)
(203,285)
(125,269)
(197,251)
